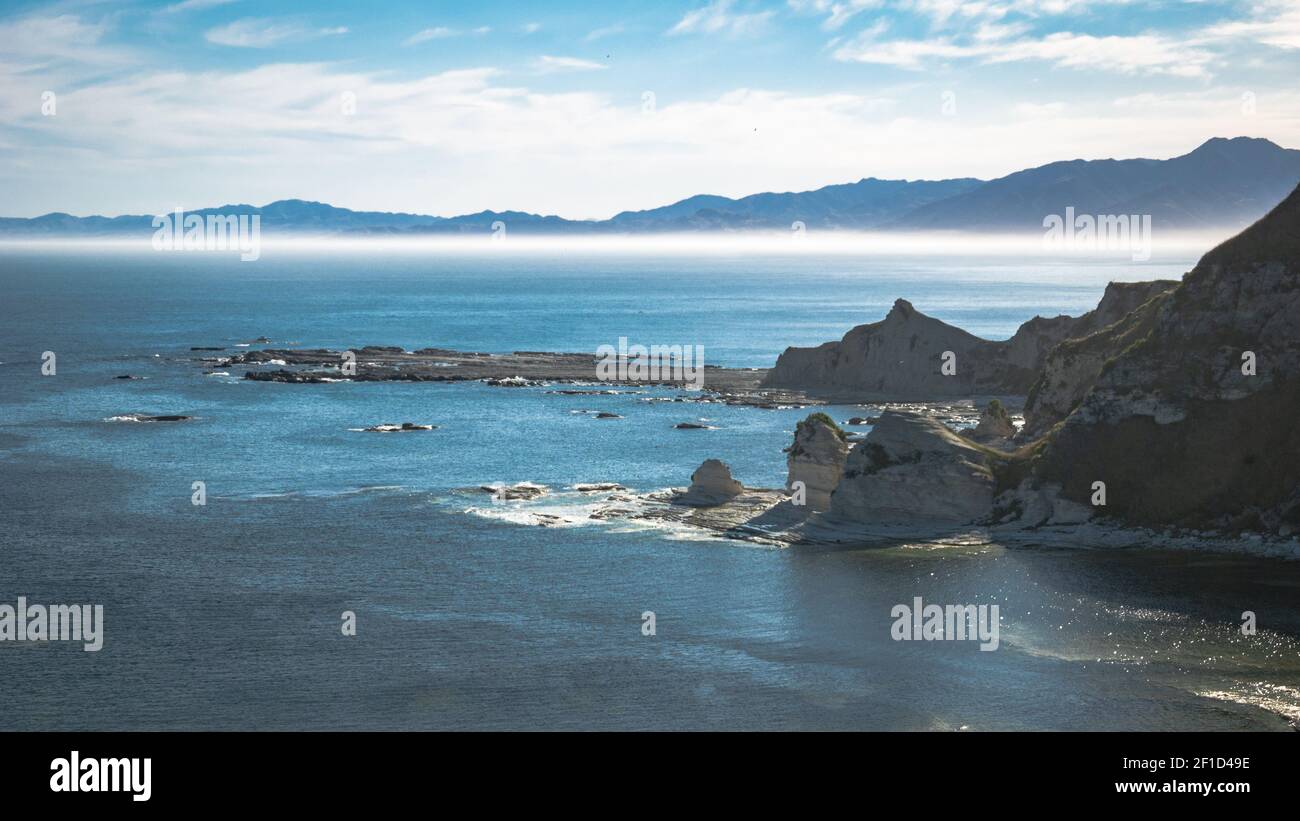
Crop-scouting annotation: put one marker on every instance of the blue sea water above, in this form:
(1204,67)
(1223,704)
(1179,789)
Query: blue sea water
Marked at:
(227,616)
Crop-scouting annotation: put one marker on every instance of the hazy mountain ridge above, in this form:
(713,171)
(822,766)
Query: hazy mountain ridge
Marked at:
(1223,183)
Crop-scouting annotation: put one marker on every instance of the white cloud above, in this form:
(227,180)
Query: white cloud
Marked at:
(194,5)
(1275,23)
(547,64)
(718,18)
(37,40)
(442,33)
(464,140)
(604,31)
(837,12)
(1134,54)
(435,33)
(250,32)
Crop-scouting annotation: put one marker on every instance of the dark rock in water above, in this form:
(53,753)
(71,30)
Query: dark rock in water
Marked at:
(607,415)
(128,376)
(599,487)
(389,427)
(144,417)
(522,490)
(690,426)
(206,348)
(261,340)
(292,377)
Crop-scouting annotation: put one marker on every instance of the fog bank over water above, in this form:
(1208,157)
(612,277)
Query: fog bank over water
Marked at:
(1156,246)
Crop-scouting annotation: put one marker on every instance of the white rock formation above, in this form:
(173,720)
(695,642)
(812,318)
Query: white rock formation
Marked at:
(711,484)
(913,468)
(817,460)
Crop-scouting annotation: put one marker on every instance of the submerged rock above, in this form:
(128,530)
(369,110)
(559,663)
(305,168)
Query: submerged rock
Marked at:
(143,417)
(711,484)
(388,427)
(816,458)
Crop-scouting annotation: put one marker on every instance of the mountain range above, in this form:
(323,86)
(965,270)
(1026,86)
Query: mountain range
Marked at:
(1222,184)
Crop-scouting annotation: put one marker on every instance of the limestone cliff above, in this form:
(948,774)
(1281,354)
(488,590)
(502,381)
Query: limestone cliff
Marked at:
(901,357)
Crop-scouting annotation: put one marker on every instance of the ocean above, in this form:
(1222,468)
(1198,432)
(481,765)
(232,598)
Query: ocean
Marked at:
(227,615)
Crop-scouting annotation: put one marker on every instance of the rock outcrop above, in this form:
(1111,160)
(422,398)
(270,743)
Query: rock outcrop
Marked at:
(711,484)
(1190,418)
(994,427)
(912,468)
(901,358)
(816,458)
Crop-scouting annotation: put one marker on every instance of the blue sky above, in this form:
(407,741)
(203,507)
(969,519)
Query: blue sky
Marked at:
(584,109)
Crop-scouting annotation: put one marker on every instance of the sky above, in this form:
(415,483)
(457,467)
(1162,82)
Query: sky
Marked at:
(584,109)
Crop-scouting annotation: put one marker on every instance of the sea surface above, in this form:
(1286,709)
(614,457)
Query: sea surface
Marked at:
(228,615)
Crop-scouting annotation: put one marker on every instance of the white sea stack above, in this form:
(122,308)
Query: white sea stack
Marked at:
(817,460)
(711,484)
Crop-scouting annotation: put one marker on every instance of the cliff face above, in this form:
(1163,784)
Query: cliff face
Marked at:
(911,468)
(1166,411)
(900,358)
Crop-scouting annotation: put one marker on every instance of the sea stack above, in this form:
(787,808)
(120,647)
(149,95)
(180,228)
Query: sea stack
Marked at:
(711,484)
(817,460)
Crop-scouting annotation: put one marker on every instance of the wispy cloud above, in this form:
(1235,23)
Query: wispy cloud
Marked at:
(605,31)
(36,41)
(1132,54)
(442,33)
(194,5)
(718,17)
(251,32)
(836,12)
(547,64)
